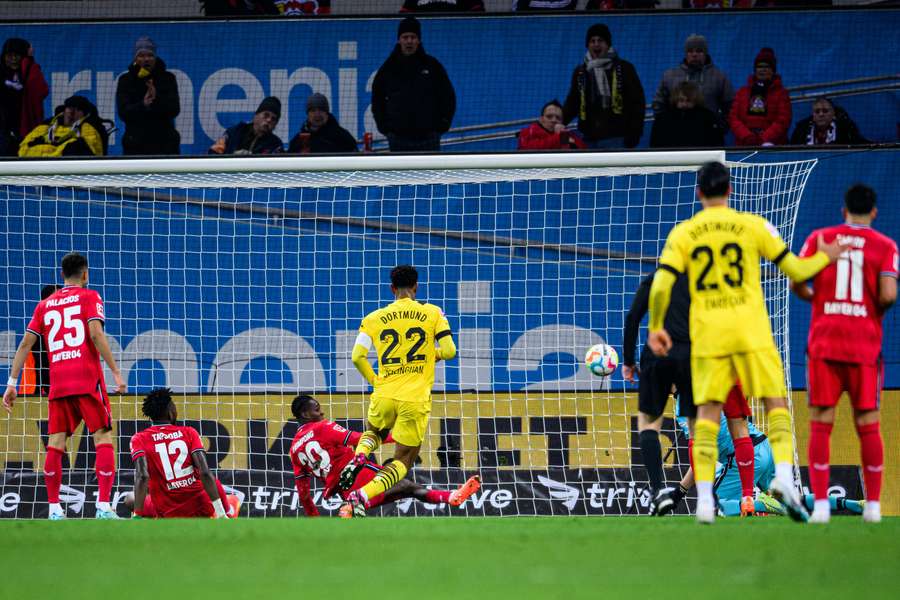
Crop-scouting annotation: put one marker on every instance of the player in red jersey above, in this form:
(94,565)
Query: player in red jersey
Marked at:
(70,322)
(849,299)
(170,463)
(322,448)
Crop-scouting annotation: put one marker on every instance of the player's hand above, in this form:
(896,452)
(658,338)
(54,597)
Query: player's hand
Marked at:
(834,249)
(659,342)
(9,398)
(121,386)
(630,372)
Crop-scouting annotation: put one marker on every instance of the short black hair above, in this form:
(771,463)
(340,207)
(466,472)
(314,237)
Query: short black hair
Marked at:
(156,404)
(49,290)
(553,102)
(713,179)
(404,276)
(73,265)
(860,199)
(299,405)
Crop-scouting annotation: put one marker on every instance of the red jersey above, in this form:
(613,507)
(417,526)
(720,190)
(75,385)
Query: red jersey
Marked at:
(174,482)
(62,322)
(322,449)
(846,314)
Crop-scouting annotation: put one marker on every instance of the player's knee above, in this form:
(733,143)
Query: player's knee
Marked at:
(865,417)
(103,436)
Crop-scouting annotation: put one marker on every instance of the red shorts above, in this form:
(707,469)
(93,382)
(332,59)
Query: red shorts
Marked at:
(67,413)
(367,474)
(736,405)
(827,379)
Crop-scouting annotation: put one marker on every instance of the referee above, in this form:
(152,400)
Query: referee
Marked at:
(657,376)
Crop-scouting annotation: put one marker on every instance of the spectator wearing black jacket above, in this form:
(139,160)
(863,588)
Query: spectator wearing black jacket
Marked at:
(413,101)
(687,123)
(255,137)
(147,101)
(321,132)
(829,124)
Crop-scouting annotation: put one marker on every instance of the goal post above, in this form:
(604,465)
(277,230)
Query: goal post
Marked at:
(240,282)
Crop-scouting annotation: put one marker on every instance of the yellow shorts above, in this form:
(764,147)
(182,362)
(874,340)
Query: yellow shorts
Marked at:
(408,421)
(760,373)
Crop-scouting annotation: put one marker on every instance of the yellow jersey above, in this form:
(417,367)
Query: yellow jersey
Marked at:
(720,248)
(404,334)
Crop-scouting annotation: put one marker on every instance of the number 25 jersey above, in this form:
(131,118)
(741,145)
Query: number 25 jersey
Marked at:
(719,248)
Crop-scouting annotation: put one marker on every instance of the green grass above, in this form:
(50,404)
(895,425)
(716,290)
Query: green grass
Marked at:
(426,558)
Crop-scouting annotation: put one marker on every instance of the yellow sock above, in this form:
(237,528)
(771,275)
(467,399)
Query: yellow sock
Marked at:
(706,450)
(385,480)
(368,443)
(780,435)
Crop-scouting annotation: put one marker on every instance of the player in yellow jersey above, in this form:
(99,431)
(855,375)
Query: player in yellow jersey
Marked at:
(403,334)
(731,338)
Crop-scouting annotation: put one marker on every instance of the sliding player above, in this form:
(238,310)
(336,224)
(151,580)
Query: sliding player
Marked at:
(322,448)
(844,348)
(731,338)
(404,334)
(170,463)
(70,322)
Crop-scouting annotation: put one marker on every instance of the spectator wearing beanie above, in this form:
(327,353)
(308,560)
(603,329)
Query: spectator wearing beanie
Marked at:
(147,101)
(605,95)
(413,101)
(22,92)
(698,67)
(321,133)
(255,137)
(761,112)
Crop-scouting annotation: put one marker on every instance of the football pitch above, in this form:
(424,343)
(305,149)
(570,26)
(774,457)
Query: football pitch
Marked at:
(391,558)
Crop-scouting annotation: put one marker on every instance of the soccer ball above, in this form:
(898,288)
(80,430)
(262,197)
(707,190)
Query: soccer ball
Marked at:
(601,360)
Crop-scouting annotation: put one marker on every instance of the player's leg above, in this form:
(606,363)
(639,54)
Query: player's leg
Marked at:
(736,412)
(728,489)
(653,392)
(824,387)
(95,411)
(232,503)
(381,416)
(865,392)
(712,378)
(62,422)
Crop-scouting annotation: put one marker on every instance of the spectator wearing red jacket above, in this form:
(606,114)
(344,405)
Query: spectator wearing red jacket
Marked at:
(22,92)
(761,112)
(548,132)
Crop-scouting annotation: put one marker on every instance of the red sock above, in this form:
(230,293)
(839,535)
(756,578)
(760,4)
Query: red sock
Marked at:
(819,458)
(872,458)
(105,467)
(437,497)
(743,456)
(53,473)
(691,455)
(223,495)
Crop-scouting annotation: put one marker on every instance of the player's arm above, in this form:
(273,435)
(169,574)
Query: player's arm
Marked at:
(639,305)
(446,348)
(802,290)
(141,483)
(102,345)
(887,290)
(658,304)
(360,359)
(22,352)
(301,481)
(800,269)
(198,458)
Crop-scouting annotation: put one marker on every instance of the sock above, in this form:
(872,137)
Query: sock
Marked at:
(691,455)
(823,505)
(705,492)
(782,444)
(105,467)
(223,496)
(872,447)
(53,474)
(743,456)
(706,451)
(368,443)
(385,480)
(819,458)
(652,453)
(437,496)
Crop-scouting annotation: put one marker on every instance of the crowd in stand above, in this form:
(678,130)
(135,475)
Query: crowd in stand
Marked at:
(413,105)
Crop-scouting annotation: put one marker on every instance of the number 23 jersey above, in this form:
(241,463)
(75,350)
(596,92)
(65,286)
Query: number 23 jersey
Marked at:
(720,249)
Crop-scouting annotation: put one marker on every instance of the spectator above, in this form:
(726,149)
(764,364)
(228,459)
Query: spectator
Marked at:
(606,95)
(548,132)
(321,132)
(420,6)
(697,66)
(543,5)
(761,112)
(619,4)
(300,8)
(226,8)
(687,123)
(255,137)
(75,130)
(147,101)
(717,3)
(21,95)
(829,124)
(413,101)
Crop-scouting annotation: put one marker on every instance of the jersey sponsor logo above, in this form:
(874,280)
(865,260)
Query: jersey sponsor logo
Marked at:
(179,484)
(100,309)
(846,309)
(54,302)
(66,355)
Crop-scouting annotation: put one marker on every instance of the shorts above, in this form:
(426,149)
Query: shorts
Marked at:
(67,413)
(407,421)
(759,372)
(366,474)
(736,405)
(195,506)
(657,377)
(827,379)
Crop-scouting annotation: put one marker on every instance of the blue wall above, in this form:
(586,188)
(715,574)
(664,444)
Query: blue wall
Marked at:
(503,68)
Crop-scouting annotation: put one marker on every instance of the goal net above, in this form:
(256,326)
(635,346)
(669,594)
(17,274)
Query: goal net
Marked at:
(241,282)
